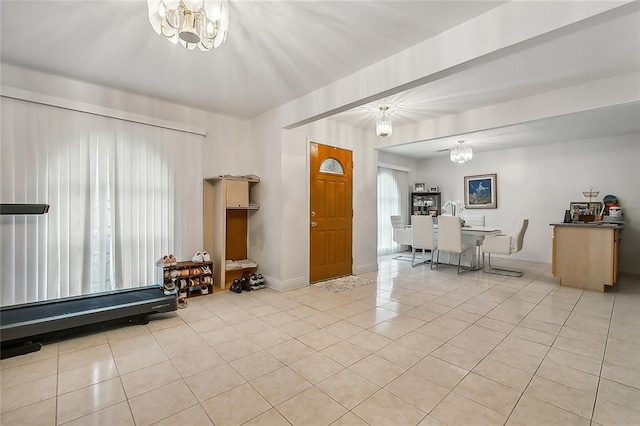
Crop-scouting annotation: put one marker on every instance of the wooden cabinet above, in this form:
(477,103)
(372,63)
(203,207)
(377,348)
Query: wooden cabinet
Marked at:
(227,210)
(188,278)
(425,203)
(586,255)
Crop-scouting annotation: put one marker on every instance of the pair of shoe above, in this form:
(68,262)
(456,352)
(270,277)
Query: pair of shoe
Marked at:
(256,281)
(200,257)
(167,260)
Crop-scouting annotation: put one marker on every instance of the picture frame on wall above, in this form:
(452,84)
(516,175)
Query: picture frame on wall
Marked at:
(481,191)
(419,187)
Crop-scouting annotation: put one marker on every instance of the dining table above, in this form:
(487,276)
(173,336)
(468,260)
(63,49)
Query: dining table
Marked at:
(475,234)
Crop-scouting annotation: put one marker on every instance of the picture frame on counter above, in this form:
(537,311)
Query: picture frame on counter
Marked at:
(419,187)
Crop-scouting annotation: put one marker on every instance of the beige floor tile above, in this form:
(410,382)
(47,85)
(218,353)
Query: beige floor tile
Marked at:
(622,353)
(236,406)
(315,368)
(533,412)
(41,413)
(348,388)
(420,342)
(270,337)
(439,372)
(142,358)
(607,412)
(431,421)
(580,347)
(371,317)
(573,360)
(84,376)
(437,331)
(311,407)
(235,349)
(268,418)
(498,397)
(457,409)
(417,391)
(220,335)
(505,374)
(263,310)
(319,339)
(188,365)
(47,351)
(127,332)
(568,376)
(214,381)
(149,378)
(252,326)
(84,342)
(461,357)
(343,329)
(291,351)
(183,345)
(256,365)
(562,396)
(297,328)
(401,355)
(280,385)
(118,414)
(477,339)
(349,419)
(277,319)
(22,395)
(135,343)
(161,403)
(377,370)
(370,341)
(87,400)
(28,372)
(618,393)
(622,375)
(534,335)
(397,327)
(194,415)
(207,324)
(384,408)
(83,357)
(345,353)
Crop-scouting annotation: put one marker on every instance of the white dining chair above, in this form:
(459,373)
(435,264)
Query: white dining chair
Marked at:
(423,237)
(401,232)
(505,245)
(450,238)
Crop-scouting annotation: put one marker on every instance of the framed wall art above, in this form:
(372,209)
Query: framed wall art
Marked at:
(481,191)
(419,187)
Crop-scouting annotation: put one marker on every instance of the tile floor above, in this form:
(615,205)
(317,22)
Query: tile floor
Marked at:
(418,347)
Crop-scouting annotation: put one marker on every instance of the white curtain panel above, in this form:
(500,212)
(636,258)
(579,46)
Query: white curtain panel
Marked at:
(393,199)
(122,194)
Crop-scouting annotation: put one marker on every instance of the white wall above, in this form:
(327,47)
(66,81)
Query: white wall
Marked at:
(539,183)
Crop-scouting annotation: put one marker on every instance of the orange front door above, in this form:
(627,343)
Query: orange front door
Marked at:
(331,212)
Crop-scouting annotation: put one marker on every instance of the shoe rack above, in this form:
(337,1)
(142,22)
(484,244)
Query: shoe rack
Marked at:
(227,211)
(188,278)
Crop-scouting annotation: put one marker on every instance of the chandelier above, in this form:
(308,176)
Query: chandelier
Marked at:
(383,125)
(201,23)
(461,154)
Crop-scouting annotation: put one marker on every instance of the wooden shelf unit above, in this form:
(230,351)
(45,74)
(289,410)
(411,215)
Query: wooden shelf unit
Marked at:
(425,203)
(227,210)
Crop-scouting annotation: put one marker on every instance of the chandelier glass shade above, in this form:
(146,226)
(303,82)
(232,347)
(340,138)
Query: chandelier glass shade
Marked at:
(383,124)
(201,23)
(461,154)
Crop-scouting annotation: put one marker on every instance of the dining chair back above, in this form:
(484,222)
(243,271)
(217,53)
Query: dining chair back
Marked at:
(423,237)
(505,245)
(401,232)
(450,238)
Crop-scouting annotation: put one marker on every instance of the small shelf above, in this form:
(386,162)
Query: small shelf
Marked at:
(188,277)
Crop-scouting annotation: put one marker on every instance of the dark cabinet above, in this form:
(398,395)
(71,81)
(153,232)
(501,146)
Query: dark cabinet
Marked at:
(425,203)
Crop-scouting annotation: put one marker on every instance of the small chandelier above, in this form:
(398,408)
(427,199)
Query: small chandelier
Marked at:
(201,23)
(383,125)
(461,154)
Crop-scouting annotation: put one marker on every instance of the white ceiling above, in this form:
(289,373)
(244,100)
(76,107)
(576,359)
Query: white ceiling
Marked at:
(277,51)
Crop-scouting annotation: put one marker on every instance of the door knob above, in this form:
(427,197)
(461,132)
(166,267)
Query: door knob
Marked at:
(314,224)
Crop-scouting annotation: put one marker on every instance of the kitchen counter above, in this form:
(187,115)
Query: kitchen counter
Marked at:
(585,255)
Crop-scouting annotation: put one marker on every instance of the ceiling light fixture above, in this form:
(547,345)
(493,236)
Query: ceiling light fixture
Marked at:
(461,154)
(201,23)
(383,125)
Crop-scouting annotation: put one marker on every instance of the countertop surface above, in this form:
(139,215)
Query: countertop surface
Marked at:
(608,225)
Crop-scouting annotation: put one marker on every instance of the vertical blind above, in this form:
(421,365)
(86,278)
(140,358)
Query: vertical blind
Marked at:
(122,194)
(393,199)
